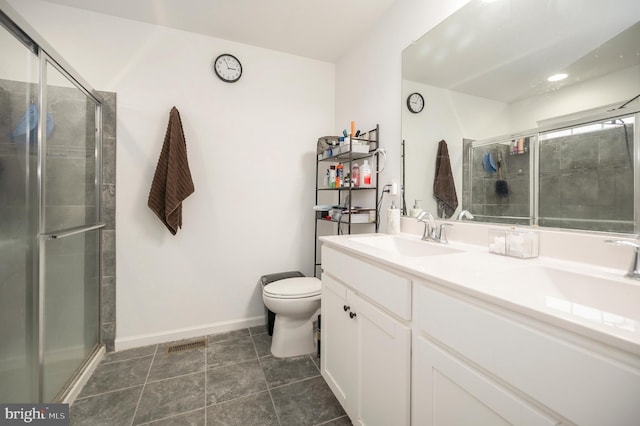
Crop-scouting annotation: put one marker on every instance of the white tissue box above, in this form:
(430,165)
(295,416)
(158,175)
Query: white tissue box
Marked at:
(520,243)
(498,241)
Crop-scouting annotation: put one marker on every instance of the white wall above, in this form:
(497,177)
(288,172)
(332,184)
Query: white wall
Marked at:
(615,88)
(447,115)
(251,148)
(369,77)
(248,216)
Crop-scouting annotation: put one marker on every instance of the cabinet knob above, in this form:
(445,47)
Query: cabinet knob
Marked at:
(352,314)
(346,307)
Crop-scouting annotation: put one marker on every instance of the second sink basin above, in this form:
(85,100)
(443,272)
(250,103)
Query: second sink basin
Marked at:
(611,302)
(404,246)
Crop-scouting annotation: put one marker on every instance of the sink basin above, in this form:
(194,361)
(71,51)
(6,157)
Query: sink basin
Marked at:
(610,302)
(403,246)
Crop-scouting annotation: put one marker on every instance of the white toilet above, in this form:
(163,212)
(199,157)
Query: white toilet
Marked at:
(296,303)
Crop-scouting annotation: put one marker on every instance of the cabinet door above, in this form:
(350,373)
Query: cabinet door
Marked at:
(338,357)
(384,366)
(447,391)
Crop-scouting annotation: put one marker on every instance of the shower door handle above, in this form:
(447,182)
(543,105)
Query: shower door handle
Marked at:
(71,231)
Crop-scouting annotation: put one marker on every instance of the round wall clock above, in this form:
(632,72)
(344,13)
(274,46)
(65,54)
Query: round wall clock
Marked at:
(415,102)
(228,68)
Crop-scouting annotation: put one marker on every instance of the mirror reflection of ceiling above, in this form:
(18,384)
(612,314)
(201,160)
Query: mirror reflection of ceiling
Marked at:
(582,38)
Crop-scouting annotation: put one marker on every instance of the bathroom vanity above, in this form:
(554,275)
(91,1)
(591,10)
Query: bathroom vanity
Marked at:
(427,334)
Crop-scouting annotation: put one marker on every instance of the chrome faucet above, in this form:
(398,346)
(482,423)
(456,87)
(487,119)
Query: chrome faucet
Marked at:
(634,268)
(464,214)
(442,236)
(429,233)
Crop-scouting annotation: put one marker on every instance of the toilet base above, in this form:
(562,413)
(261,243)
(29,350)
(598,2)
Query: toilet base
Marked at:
(293,337)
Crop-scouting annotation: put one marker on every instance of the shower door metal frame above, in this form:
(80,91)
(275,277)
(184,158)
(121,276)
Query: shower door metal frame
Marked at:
(45,59)
(46,54)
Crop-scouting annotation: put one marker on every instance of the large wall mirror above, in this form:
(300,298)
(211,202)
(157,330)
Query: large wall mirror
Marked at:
(524,148)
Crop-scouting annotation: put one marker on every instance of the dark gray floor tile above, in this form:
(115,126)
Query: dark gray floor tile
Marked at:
(229,335)
(308,402)
(175,364)
(234,381)
(263,344)
(129,354)
(258,329)
(342,421)
(281,371)
(255,410)
(192,418)
(230,352)
(316,360)
(117,375)
(171,397)
(113,408)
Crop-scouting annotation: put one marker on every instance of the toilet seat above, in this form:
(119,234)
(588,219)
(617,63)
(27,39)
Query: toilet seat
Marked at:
(294,288)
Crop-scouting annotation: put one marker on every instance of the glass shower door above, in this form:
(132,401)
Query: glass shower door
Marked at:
(18,219)
(70,250)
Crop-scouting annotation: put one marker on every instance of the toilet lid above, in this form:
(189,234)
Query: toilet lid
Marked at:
(294,288)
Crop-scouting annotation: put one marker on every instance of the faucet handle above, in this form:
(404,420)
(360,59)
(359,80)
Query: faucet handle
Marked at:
(634,268)
(465,214)
(442,236)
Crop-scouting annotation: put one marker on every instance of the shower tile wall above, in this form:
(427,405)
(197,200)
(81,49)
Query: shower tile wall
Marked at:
(515,171)
(108,299)
(585,182)
(72,204)
(71,272)
(16,268)
(588,177)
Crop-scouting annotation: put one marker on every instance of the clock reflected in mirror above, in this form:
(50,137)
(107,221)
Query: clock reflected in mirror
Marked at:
(415,102)
(228,68)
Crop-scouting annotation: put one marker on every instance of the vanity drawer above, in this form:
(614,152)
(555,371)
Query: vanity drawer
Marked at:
(389,290)
(577,383)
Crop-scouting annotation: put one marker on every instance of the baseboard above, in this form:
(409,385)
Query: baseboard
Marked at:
(185,333)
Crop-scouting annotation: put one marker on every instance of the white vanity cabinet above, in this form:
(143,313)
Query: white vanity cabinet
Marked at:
(403,345)
(366,351)
(474,363)
(448,391)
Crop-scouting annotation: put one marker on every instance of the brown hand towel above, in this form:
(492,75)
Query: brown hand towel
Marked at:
(172,182)
(444,188)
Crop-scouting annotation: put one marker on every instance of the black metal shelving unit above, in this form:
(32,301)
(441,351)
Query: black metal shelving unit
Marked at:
(344,195)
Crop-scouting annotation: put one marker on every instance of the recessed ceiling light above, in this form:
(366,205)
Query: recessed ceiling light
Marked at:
(557,77)
(488,1)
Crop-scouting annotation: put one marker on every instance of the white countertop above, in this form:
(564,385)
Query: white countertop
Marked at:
(595,302)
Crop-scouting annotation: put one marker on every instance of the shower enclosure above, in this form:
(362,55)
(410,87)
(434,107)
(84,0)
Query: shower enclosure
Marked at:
(50,176)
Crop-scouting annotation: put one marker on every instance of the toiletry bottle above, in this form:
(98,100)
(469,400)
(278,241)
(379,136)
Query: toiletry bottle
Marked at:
(339,175)
(393,219)
(365,173)
(355,175)
(415,210)
(332,176)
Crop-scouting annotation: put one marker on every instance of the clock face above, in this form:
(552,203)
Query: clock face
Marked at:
(415,103)
(228,68)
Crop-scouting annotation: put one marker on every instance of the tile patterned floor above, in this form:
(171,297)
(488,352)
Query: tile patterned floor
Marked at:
(233,381)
